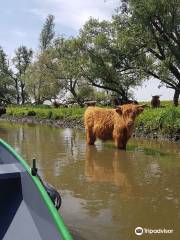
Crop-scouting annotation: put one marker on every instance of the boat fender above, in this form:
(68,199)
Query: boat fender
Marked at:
(52,192)
(54,195)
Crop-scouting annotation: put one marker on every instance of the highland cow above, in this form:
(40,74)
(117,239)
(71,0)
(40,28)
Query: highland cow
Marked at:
(106,124)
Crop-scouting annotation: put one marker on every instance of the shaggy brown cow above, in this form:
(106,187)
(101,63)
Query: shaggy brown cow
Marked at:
(116,124)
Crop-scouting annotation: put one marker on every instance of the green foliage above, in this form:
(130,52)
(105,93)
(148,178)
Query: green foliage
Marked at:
(101,96)
(21,61)
(67,61)
(150,33)
(12,81)
(161,120)
(42,106)
(41,82)
(50,114)
(31,113)
(47,33)
(47,113)
(106,65)
(7,92)
(86,92)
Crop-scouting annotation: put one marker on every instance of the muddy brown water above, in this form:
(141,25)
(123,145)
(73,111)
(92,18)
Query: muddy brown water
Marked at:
(106,193)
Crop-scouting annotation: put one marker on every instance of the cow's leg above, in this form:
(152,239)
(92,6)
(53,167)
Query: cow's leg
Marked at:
(90,136)
(120,145)
(120,142)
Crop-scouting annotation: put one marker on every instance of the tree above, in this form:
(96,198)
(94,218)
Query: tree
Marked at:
(41,82)
(47,33)
(22,60)
(106,65)
(153,35)
(6,83)
(86,92)
(66,65)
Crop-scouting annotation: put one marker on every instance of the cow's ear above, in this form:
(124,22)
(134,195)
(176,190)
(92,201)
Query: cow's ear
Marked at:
(119,110)
(140,109)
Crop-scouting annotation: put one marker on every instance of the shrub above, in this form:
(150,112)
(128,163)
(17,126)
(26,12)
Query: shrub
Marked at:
(164,120)
(31,113)
(49,114)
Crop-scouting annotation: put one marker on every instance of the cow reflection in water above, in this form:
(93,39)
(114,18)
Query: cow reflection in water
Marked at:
(108,166)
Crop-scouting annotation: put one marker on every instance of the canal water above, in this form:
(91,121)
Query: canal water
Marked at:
(106,193)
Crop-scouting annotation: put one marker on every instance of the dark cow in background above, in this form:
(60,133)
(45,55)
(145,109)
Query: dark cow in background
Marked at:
(155,102)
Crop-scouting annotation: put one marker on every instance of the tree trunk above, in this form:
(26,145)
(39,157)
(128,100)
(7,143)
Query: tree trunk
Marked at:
(17,92)
(76,97)
(22,95)
(176,97)
(18,99)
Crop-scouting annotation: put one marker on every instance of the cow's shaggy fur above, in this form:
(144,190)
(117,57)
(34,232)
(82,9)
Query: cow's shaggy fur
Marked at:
(116,124)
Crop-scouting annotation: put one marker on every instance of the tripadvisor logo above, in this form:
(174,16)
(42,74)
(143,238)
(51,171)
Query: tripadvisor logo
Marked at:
(139,231)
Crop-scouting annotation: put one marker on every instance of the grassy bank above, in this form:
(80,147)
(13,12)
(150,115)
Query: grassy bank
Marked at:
(161,121)
(46,112)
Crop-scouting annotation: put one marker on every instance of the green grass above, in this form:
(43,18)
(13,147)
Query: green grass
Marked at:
(163,103)
(46,113)
(162,120)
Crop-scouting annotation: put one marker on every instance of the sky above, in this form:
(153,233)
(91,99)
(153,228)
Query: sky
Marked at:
(21,22)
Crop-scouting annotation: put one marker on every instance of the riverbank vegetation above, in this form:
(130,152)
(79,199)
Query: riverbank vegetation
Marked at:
(163,121)
(46,112)
(140,42)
